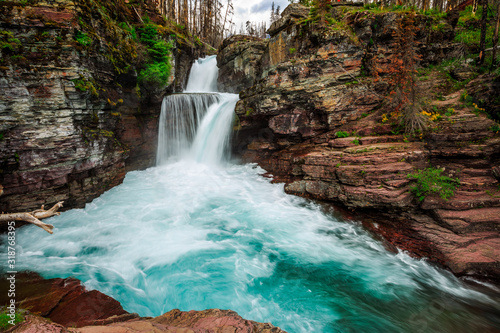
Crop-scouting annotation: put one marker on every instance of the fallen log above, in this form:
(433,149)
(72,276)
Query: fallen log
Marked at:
(33,217)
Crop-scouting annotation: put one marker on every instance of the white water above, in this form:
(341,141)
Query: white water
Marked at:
(180,117)
(194,233)
(203,75)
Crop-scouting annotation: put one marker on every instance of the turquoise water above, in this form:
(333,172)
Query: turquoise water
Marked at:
(192,236)
(199,232)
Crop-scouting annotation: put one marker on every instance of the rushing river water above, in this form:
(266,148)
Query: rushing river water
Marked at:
(199,232)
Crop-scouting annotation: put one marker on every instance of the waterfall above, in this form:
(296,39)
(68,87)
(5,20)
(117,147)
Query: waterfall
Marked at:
(189,235)
(203,75)
(197,124)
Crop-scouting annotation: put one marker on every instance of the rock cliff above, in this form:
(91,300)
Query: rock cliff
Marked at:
(71,308)
(314,117)
(73,115)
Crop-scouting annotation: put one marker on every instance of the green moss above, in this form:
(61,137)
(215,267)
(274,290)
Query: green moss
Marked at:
(82,38)
(8,41)
(83,84)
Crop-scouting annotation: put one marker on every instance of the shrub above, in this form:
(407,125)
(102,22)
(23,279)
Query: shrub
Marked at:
(341,134)
(5,318)
(148,34)
(160,51)
(155,74)
(431,180)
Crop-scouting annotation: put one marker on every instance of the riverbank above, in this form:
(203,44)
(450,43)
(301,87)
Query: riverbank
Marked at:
(315,116)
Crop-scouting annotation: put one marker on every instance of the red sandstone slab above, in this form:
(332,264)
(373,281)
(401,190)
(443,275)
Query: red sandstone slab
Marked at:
(480,215)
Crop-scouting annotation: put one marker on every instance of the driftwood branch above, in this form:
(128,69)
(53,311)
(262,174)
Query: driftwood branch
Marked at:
(35,216)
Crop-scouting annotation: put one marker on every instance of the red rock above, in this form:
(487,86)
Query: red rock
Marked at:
(65,301)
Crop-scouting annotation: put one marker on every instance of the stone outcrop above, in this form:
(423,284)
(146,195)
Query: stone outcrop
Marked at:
(175,321)
(64,301)
(71,308)
(238,60)
(73,118)
(316,82)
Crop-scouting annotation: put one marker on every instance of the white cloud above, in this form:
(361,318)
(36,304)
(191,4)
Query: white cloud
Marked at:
(254,10)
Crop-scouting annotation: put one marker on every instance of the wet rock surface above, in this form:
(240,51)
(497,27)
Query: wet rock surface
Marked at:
(71,308)
(64,301)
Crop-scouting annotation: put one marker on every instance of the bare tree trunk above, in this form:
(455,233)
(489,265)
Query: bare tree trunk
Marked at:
(34,217)
(482,41)
(495,38)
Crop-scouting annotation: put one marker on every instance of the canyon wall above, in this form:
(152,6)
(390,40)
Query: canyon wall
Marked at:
(314,117)
(73,116)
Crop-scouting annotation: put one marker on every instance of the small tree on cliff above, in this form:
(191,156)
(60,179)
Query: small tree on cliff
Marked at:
(404,99)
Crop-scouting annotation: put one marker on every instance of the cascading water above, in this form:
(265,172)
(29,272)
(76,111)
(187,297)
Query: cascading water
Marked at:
(180,117)
(203,75)
(182,133)
(194,234)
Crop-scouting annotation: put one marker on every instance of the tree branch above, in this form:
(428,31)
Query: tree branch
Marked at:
(35,216)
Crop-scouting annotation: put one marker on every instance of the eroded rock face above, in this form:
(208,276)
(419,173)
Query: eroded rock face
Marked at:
(71,308)
(238,60)
(64,301)
(70,125)
(313,84)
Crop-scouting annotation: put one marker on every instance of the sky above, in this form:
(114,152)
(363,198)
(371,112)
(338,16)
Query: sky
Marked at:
(255,10)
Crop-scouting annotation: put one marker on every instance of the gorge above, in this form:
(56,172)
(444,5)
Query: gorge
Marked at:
(212,226)
(199,231)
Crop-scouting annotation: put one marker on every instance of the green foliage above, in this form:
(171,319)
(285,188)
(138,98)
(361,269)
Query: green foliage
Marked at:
(439,27)
(130,29)
(341,134)
(292,50)
(83,84)
(434,13)
(160,51)
(148,34)
(5,318)
(432,180)
(155,74)
(8,41)
(82,38)
(466,98)
(157,71)
(495,128)
(471,37)
(356,141)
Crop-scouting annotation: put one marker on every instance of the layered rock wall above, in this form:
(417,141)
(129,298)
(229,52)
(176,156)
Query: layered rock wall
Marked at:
(314,118)
(73,118)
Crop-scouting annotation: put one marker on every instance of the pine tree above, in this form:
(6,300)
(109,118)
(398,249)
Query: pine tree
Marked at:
(273,18)
(404,98)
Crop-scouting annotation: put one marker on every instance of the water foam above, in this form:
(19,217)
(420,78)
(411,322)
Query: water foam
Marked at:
(194,233)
